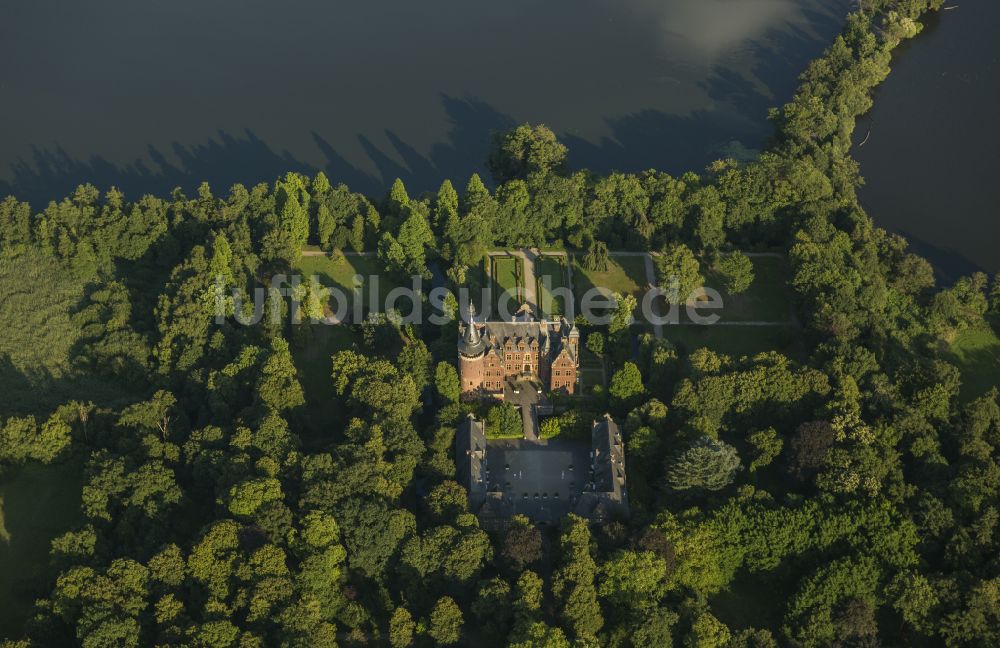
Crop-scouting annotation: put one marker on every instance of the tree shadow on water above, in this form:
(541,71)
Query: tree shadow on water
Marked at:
(462,152)
(676,143)
(644,139)
(228,158)
(224,160)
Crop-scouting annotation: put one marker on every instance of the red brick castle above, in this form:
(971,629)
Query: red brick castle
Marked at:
(490,353)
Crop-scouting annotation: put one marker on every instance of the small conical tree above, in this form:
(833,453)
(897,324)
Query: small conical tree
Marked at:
(325,225)
(737,270)
(396,201)
(278,386)
(477,197)
(320,185)
(597,257)
(445,206)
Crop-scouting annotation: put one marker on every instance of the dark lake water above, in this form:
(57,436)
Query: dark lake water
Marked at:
(933,157)
(151,95)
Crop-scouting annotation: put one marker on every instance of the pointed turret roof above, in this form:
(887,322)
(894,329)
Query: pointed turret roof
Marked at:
(471,344)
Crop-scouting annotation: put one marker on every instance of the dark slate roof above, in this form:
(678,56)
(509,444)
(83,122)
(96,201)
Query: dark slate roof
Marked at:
(550,336)
(608,471)
(470,459)
(495,505)
(595,506)
(471,345)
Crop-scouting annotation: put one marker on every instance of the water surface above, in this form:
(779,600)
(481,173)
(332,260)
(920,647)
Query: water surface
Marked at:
(150,95)
(931,159)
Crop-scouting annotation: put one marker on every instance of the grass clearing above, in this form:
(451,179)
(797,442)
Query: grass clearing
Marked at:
(590,378)
(765,301)
(625,275)
(754,600)
(37,503)
(551,270)
(588,360)
(736,341)
(977,354)
(312,352)
(339,272)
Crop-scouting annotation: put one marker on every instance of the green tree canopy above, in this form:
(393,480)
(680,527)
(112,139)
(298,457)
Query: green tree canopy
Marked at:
(679,273)
(626,384)
(737,272)
(446,622)
(708,464)
(525,152)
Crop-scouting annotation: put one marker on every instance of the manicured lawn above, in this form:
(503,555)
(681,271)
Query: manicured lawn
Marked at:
(625,275)
(765,301)
(977,354)
(736,341)
(551,270)
(339,272)
(589,379)
(588,360)
(37,503)
(507,277)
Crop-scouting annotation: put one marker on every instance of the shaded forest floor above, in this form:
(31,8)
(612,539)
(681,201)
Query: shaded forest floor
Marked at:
(37,503)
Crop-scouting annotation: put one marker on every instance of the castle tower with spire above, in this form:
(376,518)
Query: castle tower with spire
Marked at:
(471,355)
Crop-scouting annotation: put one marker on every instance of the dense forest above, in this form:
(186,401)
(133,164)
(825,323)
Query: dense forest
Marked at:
(848,497)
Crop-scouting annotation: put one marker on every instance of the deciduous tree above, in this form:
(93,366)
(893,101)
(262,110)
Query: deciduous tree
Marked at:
(737,271)
(679,273)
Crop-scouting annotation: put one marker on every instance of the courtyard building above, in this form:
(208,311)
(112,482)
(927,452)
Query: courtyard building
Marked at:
(544,481)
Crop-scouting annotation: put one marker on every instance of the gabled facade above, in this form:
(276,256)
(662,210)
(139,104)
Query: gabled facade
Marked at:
(490,353)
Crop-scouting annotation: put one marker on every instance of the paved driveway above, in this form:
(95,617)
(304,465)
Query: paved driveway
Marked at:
(526,397)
